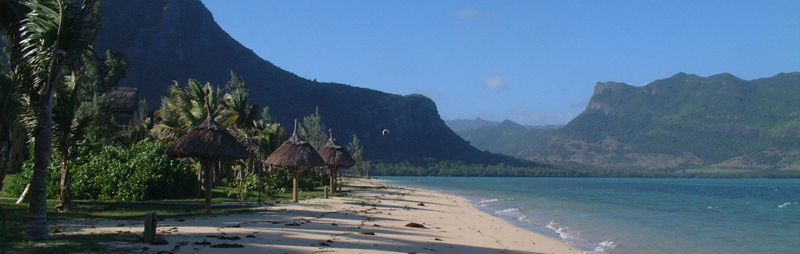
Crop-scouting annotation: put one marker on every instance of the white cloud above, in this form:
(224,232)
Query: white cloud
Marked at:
(495,83)
(526,117)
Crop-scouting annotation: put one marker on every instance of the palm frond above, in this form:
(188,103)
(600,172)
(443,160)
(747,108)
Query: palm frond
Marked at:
(11,104)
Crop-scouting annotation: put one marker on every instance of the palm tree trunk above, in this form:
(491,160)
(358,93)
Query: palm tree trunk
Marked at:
(37,211)
(66,187)
(5,158)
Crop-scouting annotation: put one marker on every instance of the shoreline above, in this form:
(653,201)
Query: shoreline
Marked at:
(375,217)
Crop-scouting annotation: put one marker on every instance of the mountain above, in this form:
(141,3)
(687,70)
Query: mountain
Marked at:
(684,121)
(466,124)
(507,138)
(175,40)
(458,125)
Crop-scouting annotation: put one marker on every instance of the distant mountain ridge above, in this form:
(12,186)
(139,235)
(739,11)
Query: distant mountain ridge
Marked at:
(466,124)
(507,137)
(684,121)
(166,40)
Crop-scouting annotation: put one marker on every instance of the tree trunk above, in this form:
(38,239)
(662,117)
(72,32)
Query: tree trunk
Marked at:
(209,175)
(333,179)
(66,187)
(43,148)
(199,185)
(6,165)
(24,197)
(339,181)
(294,184)
(218,173)
(5,158)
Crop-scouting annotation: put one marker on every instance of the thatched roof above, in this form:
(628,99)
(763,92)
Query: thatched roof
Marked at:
(335,155)
(124,98)
(208,140)
(295,153)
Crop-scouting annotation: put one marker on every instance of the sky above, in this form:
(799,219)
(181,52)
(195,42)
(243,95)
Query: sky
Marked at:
(533,62)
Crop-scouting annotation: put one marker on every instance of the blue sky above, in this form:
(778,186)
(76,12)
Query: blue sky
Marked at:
(533,62)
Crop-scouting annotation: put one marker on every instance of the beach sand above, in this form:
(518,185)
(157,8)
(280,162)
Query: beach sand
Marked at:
(373,218)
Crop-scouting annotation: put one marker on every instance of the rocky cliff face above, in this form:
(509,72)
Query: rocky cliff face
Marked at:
(684,121)
(168,40)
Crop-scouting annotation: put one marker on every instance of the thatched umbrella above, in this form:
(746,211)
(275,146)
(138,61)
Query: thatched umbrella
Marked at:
(295,154)
(335,157)
(210,142)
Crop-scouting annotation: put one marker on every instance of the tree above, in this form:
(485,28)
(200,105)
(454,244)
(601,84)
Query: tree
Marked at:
(82,112)
(236,100)
(357,151)
(10,109)
(65,135)
(54,35)
(11,106)
(313,130)
(187,107)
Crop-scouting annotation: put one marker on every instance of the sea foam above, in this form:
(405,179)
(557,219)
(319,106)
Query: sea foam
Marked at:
(602,247)
(572,237)
(484,202)
(564,232)
(509,211)
(514,213)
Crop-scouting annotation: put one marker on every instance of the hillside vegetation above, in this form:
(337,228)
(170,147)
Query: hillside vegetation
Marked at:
(507,138)
(684,121)
(166,41)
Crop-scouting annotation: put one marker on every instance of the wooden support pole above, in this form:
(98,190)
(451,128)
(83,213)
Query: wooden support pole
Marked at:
(332,176)
(150,225)
(209,177)
(294,184)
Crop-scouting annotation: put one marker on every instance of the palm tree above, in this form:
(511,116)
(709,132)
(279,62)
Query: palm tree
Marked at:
(81,113)
(65,135)
(11,13)
(187,107)
(55,35)
(10,109)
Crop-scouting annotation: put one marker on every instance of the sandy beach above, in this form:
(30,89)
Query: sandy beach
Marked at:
(373,218)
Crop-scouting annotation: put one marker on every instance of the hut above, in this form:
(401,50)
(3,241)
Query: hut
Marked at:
(335,156)
(125,106)
(295,154)
(210,142)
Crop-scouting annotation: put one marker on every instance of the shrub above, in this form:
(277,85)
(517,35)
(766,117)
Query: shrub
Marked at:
(23,178)
(141,172)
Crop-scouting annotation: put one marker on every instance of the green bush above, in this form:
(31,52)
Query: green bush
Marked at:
(276,181)
(23,178)
(242,187)
(141,172)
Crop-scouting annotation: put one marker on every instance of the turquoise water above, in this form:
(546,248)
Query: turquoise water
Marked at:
(641,215)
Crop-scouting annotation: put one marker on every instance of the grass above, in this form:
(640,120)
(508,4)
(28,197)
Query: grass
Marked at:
(6,182)
(13,219)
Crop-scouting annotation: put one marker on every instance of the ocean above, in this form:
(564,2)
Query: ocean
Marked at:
(638,215)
